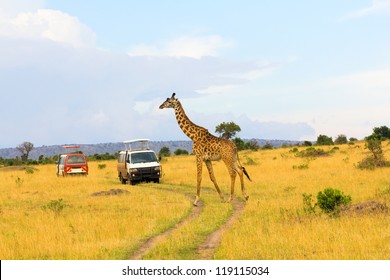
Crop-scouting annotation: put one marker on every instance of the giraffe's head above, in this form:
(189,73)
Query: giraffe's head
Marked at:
(170,102)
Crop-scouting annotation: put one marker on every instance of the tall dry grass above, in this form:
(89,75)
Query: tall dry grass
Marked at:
(45,217)
(273,225)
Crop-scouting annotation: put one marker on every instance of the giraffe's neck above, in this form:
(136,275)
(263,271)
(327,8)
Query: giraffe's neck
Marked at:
(190,129)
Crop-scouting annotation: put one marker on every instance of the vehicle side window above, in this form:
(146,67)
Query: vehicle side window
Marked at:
(121,157)
(62,159)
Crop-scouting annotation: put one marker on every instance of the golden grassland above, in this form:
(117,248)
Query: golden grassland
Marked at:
(272,226)
(87,227)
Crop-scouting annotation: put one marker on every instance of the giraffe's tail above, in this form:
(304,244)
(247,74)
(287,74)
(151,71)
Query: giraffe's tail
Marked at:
(246,173)
(243,169)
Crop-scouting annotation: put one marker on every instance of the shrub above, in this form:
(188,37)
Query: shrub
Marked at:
(30,170)
(267,146)
(331,199)
(57,206)
(164,152)
(307,143)
(308,206)
(377,158)
(324,140)
(341,139)
(252,145)
(102,166)
(301,166)
(179,152)
(249,161)
(312,152)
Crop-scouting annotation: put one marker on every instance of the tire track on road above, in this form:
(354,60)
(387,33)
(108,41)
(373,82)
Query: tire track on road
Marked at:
(153,241)
(206,250)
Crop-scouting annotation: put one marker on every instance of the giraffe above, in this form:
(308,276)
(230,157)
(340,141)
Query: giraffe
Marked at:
(207,148)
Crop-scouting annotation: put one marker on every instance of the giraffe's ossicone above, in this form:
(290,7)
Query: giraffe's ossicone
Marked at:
(206,148)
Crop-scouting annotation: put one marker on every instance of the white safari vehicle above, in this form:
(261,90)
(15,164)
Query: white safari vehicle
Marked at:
(138,163)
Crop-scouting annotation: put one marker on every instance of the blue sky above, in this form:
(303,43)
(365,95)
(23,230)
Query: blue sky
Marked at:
(96,71)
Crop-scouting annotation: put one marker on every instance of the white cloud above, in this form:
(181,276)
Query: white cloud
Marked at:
(11,8)
(194,47)
(376,7)
(48,24)
(367,84)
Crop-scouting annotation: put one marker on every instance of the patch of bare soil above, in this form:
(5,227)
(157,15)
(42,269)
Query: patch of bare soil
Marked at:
(207,249)
(365,208)
(110,192)
(151,242)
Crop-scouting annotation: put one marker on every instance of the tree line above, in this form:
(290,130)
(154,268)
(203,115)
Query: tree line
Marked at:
(226,130)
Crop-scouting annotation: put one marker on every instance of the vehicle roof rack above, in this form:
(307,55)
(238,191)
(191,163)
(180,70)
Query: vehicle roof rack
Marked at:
(73,151)
(71,147)
(143,144)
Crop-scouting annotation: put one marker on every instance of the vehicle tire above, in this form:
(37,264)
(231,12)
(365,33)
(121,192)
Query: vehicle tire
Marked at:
(131,182)
(157,181)
(123,181)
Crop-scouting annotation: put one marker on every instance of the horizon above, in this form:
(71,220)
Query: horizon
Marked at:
(96,72)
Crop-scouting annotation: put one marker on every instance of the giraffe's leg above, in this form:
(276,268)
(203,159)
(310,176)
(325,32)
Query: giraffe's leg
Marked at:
(212,178)
(199,179)
(233,175)
(241,175)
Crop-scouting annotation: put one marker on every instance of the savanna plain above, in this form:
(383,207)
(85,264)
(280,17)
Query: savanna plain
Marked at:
(43,216)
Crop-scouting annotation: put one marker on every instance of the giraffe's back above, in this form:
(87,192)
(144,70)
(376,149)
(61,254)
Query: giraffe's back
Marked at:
(215,148)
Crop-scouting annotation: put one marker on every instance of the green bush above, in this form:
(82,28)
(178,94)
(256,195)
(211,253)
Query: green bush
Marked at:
(331,199)
(164,152)
(180,152)
(377,158)
(301,166)
(102,166)
(312,152)
(57,206)
(324,140)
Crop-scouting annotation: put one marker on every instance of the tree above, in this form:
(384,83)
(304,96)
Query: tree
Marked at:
(379,133)
(252,145)
(164,152)
(324,140)
(307,143)
(25,148)
(227,130)
(383,131)
(180,152)
(341,139)
(240,144)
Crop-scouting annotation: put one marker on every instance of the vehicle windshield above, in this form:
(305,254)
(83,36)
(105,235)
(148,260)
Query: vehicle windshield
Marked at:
(143,157)
(76,159)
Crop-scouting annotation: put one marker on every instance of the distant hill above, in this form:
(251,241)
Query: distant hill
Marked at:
(111,148)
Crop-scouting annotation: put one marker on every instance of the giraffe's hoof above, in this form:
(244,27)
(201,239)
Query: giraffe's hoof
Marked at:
(247,197)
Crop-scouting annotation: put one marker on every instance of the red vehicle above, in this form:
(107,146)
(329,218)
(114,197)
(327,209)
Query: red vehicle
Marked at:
(72,163)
